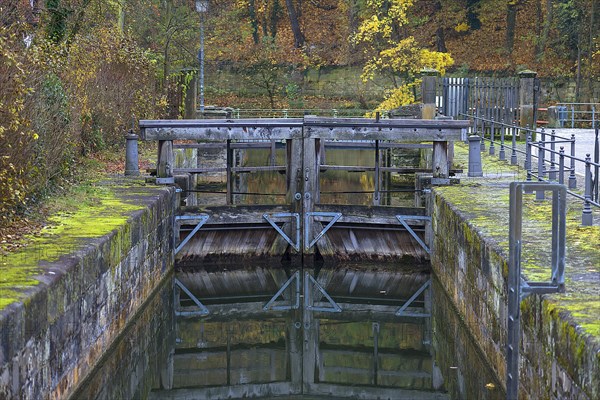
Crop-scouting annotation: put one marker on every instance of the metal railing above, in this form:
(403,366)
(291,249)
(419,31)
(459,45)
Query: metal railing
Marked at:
(578,115)
(300,112)
(551,163)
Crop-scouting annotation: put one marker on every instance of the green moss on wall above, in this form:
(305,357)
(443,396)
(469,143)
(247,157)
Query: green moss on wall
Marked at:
(98,211)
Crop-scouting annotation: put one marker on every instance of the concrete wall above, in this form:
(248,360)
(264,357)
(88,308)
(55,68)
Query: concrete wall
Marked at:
(50,341)
(558,361)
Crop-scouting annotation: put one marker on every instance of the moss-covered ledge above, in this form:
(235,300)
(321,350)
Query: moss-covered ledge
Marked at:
(67,295)
(561,332)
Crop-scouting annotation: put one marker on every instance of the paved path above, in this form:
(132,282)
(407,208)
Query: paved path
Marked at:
(584,144)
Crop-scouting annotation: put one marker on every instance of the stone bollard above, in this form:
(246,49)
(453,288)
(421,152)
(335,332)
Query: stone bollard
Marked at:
(474,156)
(131,155)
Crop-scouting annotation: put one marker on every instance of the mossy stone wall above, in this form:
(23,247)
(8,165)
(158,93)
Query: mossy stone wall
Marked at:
(558,359)
(58,329)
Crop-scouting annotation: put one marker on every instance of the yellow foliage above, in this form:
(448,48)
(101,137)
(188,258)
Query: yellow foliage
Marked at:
(395,98)
(462,27)
(389,53)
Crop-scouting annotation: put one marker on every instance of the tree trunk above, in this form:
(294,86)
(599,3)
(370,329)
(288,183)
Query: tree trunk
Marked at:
(253,20)
(295,24)
(274,18)
(440,40)
(546,29)
(511,21)
(591,48)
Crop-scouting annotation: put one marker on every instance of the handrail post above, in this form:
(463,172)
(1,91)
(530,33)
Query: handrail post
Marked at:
(482,134)
(552,172)
(572,178)
(586,215)
(561,166)
(596,168)
(492,129)
(513,156)
(528,163)
(540,194)
(502,153)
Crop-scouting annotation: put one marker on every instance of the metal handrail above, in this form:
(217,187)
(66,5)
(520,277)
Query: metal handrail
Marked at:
(299,112)
(591,194)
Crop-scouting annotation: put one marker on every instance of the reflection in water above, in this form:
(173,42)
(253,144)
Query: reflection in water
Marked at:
(241,350)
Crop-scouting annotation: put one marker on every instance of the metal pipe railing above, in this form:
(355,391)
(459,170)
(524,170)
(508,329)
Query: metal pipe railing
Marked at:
(546,155)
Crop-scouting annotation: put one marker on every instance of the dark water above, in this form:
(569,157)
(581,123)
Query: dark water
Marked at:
(240,350)
(298,348)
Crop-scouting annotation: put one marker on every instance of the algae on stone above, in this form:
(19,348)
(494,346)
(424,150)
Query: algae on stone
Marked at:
(105,209)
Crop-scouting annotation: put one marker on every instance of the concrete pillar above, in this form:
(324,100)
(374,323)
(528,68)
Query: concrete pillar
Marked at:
(527,98)
(131,155)
(474,156)
(428,89)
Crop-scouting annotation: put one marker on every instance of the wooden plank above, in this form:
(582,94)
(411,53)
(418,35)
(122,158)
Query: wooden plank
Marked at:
(369,213)
(220,129)
(388,129)
(397,133)
(233,215)
(371,145)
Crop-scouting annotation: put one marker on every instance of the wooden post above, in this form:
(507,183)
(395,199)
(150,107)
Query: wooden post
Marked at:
(428,89)
(164,168)
(310,179)
(229,161)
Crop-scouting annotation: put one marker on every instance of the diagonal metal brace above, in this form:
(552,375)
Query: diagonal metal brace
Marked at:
(295,305)
(307,217)
(202,220)
(308,278)
(401,311)
(270,220)
(402,219)
(202,308)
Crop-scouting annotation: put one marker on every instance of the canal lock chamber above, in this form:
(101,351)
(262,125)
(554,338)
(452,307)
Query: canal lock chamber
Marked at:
(244,315)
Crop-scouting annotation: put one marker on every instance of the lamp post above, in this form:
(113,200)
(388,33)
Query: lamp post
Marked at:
(201,8)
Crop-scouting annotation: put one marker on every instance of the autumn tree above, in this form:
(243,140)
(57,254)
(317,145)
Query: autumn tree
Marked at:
(392,53)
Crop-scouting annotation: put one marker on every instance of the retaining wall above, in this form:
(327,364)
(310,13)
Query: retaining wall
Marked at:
(559,360)
(54,336)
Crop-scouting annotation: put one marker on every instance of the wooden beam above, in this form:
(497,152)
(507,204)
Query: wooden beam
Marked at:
(286,128)
(221,130)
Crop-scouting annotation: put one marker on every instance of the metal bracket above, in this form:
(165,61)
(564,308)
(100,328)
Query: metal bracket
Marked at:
(518,289)
(165,181)
(402,219)
(307,216)
(296,305)
(202,220)
(308,278)
(202,310)
(270,220)
(401,311)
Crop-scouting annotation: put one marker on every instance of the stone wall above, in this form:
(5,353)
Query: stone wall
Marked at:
(558,360)
(51,340)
